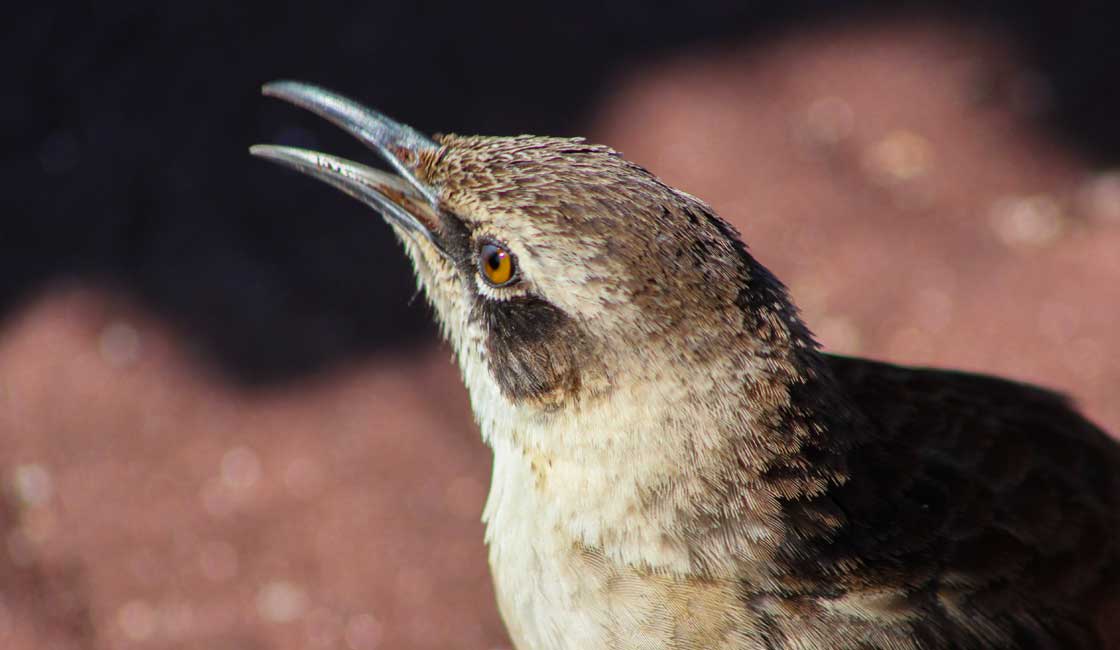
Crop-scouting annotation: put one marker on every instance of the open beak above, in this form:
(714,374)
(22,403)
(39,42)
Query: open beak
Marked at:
(403,200)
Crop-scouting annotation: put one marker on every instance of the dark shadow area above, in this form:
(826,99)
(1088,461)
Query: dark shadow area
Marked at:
(127,127)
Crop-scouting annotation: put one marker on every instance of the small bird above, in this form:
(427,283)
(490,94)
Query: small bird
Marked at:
(677,464)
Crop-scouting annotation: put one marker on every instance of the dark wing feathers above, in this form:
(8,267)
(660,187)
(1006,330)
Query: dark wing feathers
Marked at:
(996,497)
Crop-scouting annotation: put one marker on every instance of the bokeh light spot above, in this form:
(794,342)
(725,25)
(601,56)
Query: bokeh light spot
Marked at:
(241,468)
(137,619)
(1031,221)
(281,602)
(32,484)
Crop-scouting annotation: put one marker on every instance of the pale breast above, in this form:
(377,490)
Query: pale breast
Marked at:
(556,593)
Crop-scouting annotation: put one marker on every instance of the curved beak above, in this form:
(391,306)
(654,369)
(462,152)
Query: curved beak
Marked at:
(403,200)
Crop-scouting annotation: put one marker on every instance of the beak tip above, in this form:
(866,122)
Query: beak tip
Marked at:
(283,156)
(264,152)
(282,88)
(269,89)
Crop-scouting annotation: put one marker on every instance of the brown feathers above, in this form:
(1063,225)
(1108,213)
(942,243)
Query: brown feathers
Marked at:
(842,503)
(676,464)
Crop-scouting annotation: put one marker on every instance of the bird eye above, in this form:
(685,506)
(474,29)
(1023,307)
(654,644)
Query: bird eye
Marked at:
(495,263)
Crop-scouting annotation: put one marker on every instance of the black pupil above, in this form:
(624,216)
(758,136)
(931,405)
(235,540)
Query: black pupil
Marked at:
(494,258)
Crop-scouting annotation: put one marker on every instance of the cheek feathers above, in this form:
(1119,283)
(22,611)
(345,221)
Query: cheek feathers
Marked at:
(535,351)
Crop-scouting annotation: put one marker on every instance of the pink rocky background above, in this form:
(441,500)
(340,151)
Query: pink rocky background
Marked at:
(890,175)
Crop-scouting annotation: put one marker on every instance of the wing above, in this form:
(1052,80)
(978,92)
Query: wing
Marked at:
(995,499)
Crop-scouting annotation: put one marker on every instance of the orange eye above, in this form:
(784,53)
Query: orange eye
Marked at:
(495,264)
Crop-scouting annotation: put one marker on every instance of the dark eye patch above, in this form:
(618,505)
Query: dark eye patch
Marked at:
(534,349)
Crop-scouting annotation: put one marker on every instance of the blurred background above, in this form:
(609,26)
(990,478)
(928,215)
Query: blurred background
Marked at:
(225,419)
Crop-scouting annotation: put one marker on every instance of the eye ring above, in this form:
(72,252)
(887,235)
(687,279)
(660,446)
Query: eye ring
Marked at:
(496,264)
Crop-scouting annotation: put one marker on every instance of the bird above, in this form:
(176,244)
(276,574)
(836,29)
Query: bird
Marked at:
(677,464)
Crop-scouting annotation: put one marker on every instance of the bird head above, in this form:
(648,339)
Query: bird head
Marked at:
(562,274)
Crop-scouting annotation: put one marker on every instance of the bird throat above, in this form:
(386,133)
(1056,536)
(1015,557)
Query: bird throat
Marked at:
(688,473)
